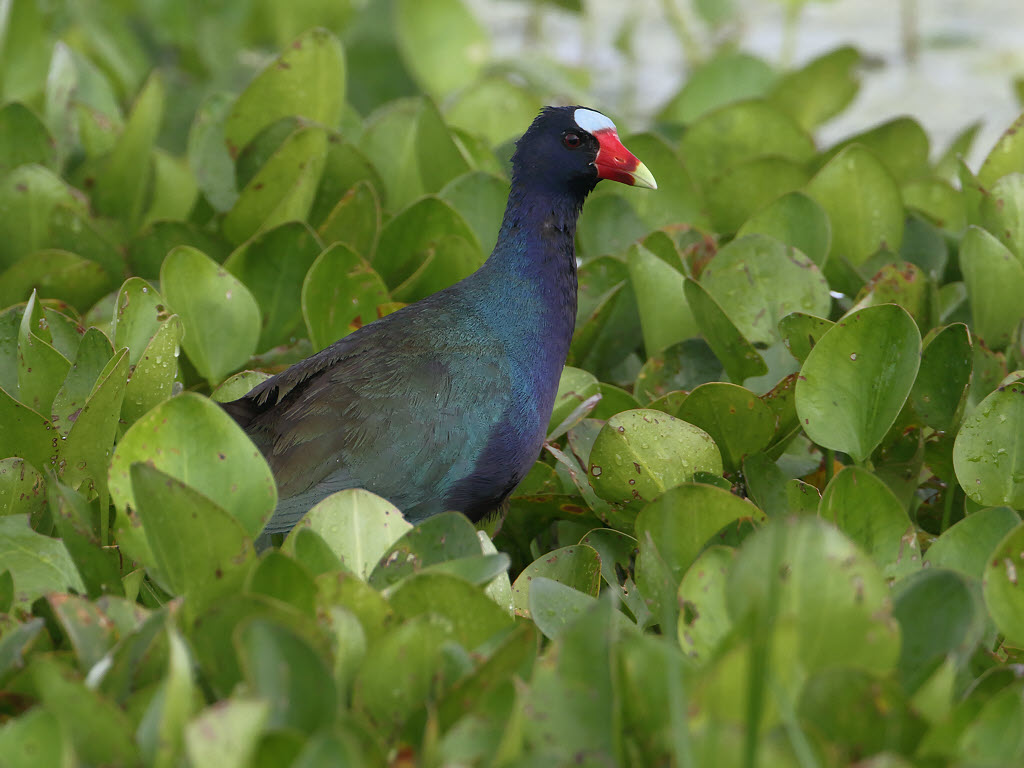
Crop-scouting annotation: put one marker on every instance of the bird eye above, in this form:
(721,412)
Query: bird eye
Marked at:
(571,140)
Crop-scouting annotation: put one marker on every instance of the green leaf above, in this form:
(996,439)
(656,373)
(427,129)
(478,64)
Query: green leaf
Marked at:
(34,739)
(554,606)
(1004,592)
(439,158)
(613,400)
(992,738)
(739,132)
(609,224)
(24,139)
(152,379)
(1002,212)
(958,148)
(863,205)
(988,453)
(208,156)
(800,333)
(665,317)
(578,567)
(609,336)
(273,266)
(803,498)
(480,198)
(686,518)
(437,539)
(677,198)
(766,483)
(820,89)
(358,526)
(214,634)
(90,633)
(474,617)
(70,228)
(681,366)
(494,108)
(851,706)
(100,731)
(727,77)
(191,439)
(174,188)
(138,312)
(226,734)
(29,196)
(863,507)
(282,667)
(340,293)
(794,219)
(220,316)
(901,145)
(200,551)
(345,167)
(354,221)
(1006,157)
(570,707)
(22,488)
(160,736)
(940,390)
(416,234)
(78,523)
(54,274)
(262,147)
(27,434)
(41,368)
(574,398)
(306,80)
(736,419)
(10,326)
(474,692)
(400,671)
(900,283)
(446,261)
(389,142)
(38,563)
(123,177)
(238,385)
(85,453)
(284,187)
(639,454)
(857,378)
(442,44)
(745,188)
(738,356)
(927,642)
(618,552)
(966,546)
(757,281)
(704,617)
(938,201)
(804,571)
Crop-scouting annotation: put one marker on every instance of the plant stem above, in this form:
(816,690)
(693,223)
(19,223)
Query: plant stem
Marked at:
(947,507)
(908,30)
(691,48)
(789,26)
(104,517)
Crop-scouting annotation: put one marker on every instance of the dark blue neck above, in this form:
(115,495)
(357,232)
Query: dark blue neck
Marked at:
(530,280)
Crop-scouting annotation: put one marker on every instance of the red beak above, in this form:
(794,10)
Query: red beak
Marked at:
(616,163)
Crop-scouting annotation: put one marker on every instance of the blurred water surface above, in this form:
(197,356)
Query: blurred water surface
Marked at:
(968,53)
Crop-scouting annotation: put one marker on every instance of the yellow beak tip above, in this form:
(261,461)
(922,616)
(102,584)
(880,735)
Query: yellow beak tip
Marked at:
(644,178)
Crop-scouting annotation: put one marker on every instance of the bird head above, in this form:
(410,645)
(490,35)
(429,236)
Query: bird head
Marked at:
(577,146)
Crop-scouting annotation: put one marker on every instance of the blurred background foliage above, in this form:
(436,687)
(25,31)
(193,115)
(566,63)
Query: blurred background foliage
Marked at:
(809,339)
